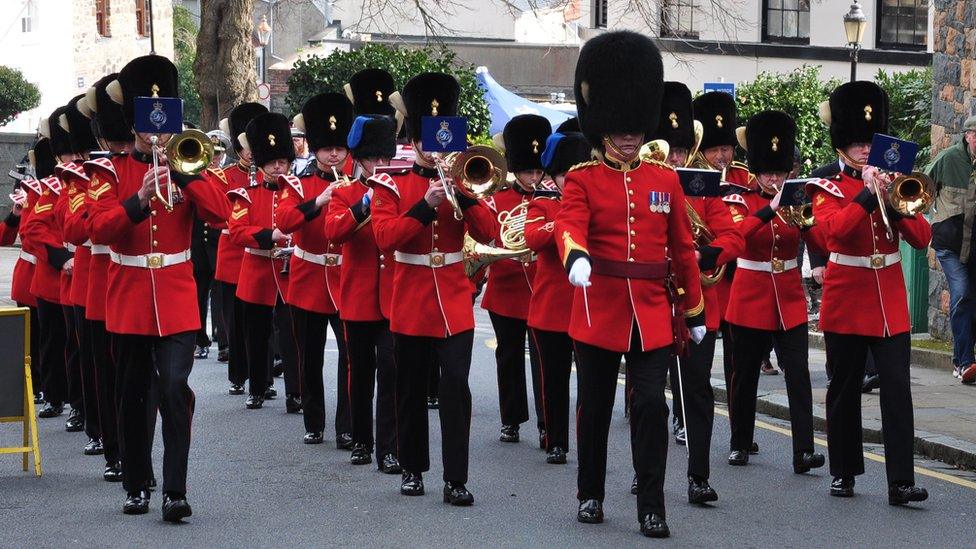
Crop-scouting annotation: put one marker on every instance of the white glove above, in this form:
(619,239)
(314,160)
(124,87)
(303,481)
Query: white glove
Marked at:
(579,273)
(697,334)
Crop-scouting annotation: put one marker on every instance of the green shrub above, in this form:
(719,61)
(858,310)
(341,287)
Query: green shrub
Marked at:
(185,51)
(329,74)
(16,94)
(910,94)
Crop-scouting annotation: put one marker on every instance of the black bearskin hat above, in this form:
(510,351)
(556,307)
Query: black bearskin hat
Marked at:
(676,124)
(855,112)
(268,137)
(42,158)
(58,136)
(770,138)
(325,119)
(108,122)
(563,151)
(79,126)
(427,94)
(716,111)
(373,136)
(569,126)
(369,90)
(144,77)
(525,138)
(238,119)
(619,82)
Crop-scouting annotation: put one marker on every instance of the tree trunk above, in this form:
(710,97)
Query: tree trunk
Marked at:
(224,67)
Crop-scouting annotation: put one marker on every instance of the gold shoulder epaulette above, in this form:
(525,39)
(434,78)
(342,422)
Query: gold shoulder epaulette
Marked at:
(658,163)
(737,164)
(582,165)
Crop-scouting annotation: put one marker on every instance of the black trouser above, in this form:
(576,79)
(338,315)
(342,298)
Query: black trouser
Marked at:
(233,313)
(35,348)
(510,335)
(844,438)
(284,345)
(751,346)
(204,277)
(89,381)
(105,378)
(370,348)
(72,360)
(53,353)
(259,323)
(596,375)
(556,361)
(413,355)
(172,358)
(217,314)
(699,402)
(433,380)
(310,333)
(728,345)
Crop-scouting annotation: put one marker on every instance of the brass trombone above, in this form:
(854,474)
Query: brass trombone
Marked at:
(187,153)
(477,172)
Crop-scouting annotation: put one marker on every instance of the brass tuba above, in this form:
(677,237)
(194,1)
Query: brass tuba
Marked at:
(911,194)
(477,172)
(655,150)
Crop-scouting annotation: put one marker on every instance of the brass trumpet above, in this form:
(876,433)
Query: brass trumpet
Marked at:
(477,172)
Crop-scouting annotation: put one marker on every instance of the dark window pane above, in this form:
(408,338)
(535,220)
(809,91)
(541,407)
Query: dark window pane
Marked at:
(804,24)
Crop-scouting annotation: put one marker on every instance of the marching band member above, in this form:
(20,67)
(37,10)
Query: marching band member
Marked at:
(552,295)
(510,281)
(43,229)
(431,310)
(315,266)
(366,288)
(676,127)
(150,299)
(115,136)
(242,175)
(618,225)
(767,302)
(864,307)
(262,287)
(75,234)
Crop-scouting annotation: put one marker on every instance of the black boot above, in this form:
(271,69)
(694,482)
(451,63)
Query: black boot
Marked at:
(590,511)
(738,457)
(804,461)
(654,526)
(175,507)
(902,493)
(360,455)
(75,422)
(556,456)
(510,433)
(456,494)
(699,491)
(842,487)
(136,503)
(412,484)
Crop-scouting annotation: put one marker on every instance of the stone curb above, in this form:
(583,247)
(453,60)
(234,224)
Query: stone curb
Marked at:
(922,358)
(946,449)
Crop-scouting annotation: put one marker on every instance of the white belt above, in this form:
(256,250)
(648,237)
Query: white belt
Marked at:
(433,260)
(326,260)
(876,261)
(774,266)
(28,257)
(150,261)
(70,247)
(258,251)
(98,249)
(224,231)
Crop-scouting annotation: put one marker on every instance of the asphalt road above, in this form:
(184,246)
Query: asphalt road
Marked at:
(253,483)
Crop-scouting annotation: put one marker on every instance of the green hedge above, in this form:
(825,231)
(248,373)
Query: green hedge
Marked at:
(16,94)
(329,74)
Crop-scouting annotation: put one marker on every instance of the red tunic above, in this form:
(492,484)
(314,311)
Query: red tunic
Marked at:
(23,273)
(766,300)
(427,301)
(716,215)
(252,221)
(76,231)
(139,300)
(862,300)
(230,255)
(314,281)
(367,272)
(98,264)
(43,231)
(552,294)
(607,214)
(509,280)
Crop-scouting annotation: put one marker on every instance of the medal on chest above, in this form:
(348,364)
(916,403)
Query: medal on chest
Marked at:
(660,201)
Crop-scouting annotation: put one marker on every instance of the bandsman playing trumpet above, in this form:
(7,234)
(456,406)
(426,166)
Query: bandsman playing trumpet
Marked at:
(510,280)
(767,303)
(150,299)
(624,237)
(865,306)
(431,313)
(315,266)
(552,295)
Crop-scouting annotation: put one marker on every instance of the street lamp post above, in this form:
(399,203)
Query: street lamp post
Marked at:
(264,37)
(855,22)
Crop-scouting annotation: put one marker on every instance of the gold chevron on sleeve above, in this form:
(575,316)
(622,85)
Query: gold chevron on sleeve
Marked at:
(569,245)
(238,214)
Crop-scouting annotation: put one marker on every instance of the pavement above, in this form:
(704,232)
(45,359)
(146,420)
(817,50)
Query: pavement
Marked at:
(253,483)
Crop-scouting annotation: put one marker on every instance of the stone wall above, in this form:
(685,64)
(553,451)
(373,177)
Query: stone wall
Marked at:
(953,100)
(13,147)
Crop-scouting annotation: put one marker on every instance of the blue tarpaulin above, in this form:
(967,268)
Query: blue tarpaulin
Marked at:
(504,105)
